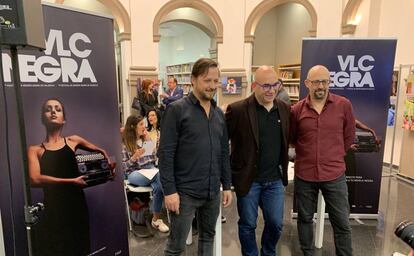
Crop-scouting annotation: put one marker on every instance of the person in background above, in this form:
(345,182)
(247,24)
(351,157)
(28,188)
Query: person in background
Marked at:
(154,121)
(148,97)
(194,160)
(173,93)
(134,161)
(322,130)
(259,127)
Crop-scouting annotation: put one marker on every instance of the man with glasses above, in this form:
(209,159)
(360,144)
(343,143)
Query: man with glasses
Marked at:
(322,130)
(258,129)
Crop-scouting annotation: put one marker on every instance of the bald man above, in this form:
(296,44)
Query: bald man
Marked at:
(322,130)
(258,128)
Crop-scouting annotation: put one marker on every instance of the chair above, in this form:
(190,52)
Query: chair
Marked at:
(138,189)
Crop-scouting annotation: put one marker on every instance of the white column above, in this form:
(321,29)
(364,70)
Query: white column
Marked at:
(248,57)
(125,65)
(329,22)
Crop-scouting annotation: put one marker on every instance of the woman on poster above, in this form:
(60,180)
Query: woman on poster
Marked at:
(64,226)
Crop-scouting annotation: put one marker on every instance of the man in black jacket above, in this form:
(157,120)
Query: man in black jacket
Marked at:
(258,127)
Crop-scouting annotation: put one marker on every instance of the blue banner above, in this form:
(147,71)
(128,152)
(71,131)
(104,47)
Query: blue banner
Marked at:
(360,70)
(74,75)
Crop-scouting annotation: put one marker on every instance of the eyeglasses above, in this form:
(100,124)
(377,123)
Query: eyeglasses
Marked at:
(267,87)
(324,82)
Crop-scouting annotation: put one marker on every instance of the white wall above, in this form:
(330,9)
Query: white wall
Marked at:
(278,36)
(293,23)
(264,47)
(191,44)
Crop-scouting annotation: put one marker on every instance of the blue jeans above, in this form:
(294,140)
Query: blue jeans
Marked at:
(207,211)
(270,197)
(137,179)
(335,193)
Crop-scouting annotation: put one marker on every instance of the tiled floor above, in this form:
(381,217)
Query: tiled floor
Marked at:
(370,237)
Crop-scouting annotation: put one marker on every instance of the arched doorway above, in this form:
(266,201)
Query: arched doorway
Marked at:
(274,31)
(185,31)
(122,27)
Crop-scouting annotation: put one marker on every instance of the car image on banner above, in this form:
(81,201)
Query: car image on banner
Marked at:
(71,118)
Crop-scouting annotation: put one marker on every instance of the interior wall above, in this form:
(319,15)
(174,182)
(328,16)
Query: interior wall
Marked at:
(278,36)
(293,23)
(265,39)
(187,46)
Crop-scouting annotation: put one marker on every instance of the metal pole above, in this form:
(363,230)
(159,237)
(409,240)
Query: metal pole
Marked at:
(22,133)
(395,117)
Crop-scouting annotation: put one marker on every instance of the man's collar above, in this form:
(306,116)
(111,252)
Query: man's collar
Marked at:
(328,99)
(194,100)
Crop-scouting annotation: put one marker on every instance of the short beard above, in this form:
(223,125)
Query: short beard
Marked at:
(317,95)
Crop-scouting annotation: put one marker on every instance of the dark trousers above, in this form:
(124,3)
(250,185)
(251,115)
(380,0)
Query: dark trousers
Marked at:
(207,211)
(335,193)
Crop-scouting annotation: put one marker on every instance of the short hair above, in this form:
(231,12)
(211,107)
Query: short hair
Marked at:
(173,77)
(202,65)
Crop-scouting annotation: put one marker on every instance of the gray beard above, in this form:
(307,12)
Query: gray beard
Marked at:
(317,95)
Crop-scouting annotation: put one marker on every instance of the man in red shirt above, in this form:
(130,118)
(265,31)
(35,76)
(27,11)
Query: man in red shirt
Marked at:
(322,130)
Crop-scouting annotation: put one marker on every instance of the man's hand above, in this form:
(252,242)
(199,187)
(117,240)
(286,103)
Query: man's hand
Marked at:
(172,202)
(227,198)
(354,147)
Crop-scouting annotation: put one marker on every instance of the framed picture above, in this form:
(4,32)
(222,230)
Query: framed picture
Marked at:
(231,85)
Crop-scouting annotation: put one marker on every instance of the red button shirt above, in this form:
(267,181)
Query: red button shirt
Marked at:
(321,140)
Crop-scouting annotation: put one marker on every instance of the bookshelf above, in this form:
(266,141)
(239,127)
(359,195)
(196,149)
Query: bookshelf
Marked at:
(290,75)
(181,72)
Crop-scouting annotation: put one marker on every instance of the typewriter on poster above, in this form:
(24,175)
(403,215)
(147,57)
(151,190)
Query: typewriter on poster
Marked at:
(95,167)
(365,142)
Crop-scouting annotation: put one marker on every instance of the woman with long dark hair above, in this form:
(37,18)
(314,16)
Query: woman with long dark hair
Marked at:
(64,228)
(154,121)
(136,160)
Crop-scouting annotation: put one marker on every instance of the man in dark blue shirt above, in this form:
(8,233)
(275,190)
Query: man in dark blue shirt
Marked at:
(194,160)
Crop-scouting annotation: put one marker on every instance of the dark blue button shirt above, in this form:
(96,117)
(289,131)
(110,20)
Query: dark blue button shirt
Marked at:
(194,149)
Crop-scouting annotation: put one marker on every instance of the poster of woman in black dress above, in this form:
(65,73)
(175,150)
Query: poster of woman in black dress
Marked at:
(64,225)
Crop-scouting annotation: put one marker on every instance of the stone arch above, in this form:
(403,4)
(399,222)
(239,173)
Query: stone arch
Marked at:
(267,5)
(120,14)
(195,24)
(196,4)
(348,16)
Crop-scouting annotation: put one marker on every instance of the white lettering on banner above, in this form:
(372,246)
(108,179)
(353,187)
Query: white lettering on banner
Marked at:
(47,69)
(353,77)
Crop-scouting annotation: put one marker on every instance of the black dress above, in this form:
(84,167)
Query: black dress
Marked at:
(64,226)
(148,102)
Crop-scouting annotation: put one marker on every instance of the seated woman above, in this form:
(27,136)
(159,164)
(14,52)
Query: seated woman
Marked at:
(154,121)
(135,160)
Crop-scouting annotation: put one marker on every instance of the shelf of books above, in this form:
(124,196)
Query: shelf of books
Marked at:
(290,75)
(182,72)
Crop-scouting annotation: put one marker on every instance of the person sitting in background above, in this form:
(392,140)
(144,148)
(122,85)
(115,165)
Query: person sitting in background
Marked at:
(148,97)
(135,160)
(173,93)
(154,121)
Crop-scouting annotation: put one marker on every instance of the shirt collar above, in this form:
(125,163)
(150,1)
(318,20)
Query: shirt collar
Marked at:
(195,101)
(258,104)
(329,99)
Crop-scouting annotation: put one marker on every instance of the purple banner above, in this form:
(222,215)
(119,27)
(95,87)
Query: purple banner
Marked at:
(78,71)
(361,70)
